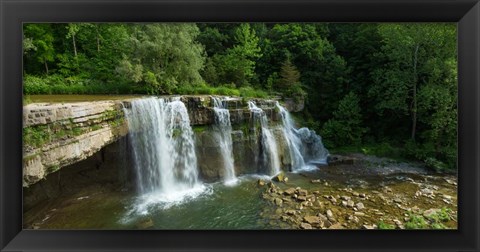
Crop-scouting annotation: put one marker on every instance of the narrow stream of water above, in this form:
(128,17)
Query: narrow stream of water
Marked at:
(223,133)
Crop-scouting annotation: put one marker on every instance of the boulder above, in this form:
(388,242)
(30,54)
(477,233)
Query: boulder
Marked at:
(278,202)
(329,214)
(289,191)
(280,177)
(360,206)
(304,225)
(336,226)
(291,212)
(261,182)
(302,198)
(302,192)
(312,219)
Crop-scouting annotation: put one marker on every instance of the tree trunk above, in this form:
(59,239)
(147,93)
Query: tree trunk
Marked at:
(74,46)
(414,105)
(46,66)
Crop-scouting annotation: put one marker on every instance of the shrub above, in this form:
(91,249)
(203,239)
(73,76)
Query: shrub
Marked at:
(383,225)
(416,222)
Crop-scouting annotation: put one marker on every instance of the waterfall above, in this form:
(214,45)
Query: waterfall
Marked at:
(163,148)
(294,143)
(269,145)
(305,146)
(314,150)
(223,135)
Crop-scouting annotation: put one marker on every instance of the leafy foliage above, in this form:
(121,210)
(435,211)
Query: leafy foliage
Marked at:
(345,128)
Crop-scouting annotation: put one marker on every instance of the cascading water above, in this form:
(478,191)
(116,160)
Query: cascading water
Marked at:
(269,145)
(305,146)
(223,133)
(163,149)
(314,150)
(294,143)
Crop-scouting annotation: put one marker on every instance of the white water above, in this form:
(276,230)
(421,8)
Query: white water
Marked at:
(163,150)
(269,145)
(293,141)
(305,146)
(223,135)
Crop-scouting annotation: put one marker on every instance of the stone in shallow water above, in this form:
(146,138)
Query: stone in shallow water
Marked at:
(291,212)
(280,177)
(145,224)
(302,198)
(336,226)
(312,219)
(329,213)
(360,206)
(359,214)
(278,202)
(261,182)
(302,192)
(289,191)
(369,226)
(350,203)
(304,225)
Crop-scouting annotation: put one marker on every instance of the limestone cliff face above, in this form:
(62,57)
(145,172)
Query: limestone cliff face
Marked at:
(57,135)
(60,135)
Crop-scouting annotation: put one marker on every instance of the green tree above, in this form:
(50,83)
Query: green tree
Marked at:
(346,126)
(411,51)
(237,65)
(166,54)
(289,81)
(39,41)
(323,73)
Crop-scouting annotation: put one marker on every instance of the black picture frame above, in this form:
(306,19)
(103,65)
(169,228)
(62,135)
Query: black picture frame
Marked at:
(14,12)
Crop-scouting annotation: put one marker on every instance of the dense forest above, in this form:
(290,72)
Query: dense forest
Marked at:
(383,89)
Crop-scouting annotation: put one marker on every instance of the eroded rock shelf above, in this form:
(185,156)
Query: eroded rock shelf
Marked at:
(60,134)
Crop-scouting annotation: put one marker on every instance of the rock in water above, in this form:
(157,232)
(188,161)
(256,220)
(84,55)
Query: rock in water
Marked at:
(360,206)
(329,214)
(312,219)
(278,201)
(261,182)
(280,177)
(304,225)
(145,224)
(336,226)
(289,191)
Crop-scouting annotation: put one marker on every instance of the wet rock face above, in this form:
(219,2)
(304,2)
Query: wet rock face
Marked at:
(84,128)
(199,109)
(294,105)
(246,153)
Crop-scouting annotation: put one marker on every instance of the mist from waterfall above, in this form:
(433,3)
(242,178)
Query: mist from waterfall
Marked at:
(223,135)
(305,146)
(163,150)
(269,145)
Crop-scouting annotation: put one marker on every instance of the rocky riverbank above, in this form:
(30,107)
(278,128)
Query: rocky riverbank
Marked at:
(372,193)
